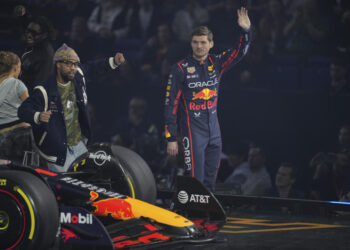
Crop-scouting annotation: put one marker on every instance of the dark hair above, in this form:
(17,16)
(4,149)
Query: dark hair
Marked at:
(7,61)
(290,165)
(203,31)
(45,26)
(258,146)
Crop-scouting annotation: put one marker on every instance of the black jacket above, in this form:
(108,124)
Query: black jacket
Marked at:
(51,137)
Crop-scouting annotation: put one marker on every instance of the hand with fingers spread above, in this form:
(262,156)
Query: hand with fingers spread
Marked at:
(45,116)
(243,18)
(172,148)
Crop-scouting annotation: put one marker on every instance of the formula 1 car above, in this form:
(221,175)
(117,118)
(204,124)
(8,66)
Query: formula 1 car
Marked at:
(40,209)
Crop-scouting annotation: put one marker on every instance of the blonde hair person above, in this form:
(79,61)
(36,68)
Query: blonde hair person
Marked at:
(14,134)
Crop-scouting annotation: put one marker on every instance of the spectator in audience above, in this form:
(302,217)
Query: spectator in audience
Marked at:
(284,187)
(291,5)
(344,39)
(110,21)
(238,169)
(37,60)
(58,109)
(271,27)
(339,72)
(190,15)
(139,133)
(308,30)
(341,14)
(322,185)
(285,182)
(144,20)
(111,18)
(71,9)
(155,51)
(82,40)
(237,161)
(15,135)
(259,180)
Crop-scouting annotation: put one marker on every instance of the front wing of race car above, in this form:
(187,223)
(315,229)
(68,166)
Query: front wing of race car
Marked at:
(95,218)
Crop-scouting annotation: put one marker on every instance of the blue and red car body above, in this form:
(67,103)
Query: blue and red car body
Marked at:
(91,217)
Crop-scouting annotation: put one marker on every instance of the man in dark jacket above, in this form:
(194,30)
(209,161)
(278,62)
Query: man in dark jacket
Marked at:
(193,87)
(57,109)
(38,35)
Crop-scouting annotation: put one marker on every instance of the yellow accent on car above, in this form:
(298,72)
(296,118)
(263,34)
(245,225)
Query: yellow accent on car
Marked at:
(31,211)
(3,182)
(2,221)
(131,187)
(161,215)
(75,167)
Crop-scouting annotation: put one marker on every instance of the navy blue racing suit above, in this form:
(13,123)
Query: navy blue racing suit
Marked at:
(192,93)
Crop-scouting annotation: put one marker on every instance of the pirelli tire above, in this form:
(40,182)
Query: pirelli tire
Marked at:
(140,174)
(118,169)
(29,215)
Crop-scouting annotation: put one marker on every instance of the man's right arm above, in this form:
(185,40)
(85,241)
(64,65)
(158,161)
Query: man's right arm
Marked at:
(31,109)
(172,98)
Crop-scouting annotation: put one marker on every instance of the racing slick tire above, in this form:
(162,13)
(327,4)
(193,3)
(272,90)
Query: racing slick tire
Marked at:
(118,169)
(29,215)
(140,174)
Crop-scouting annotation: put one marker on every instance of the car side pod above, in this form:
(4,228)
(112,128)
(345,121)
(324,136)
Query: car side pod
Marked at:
(195,202)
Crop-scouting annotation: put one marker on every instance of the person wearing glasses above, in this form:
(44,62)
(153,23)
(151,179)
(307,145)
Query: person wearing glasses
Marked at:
(38,35)
(58,108)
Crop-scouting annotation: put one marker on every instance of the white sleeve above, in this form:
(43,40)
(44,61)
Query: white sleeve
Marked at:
(20,88)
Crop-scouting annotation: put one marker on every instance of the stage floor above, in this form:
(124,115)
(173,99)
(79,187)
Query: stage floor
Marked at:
(249,231)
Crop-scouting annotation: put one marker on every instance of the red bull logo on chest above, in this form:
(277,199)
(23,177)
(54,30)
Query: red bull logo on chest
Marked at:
(204,94)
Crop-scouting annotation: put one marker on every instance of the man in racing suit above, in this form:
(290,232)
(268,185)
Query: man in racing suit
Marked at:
(193,88)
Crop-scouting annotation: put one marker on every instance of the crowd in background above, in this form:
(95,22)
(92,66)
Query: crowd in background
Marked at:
(283,104)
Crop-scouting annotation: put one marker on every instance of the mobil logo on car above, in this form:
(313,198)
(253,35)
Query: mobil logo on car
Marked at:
(79,218)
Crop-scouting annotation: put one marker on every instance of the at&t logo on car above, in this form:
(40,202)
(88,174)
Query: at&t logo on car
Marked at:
(183,198)
(75,219)
(100,157)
